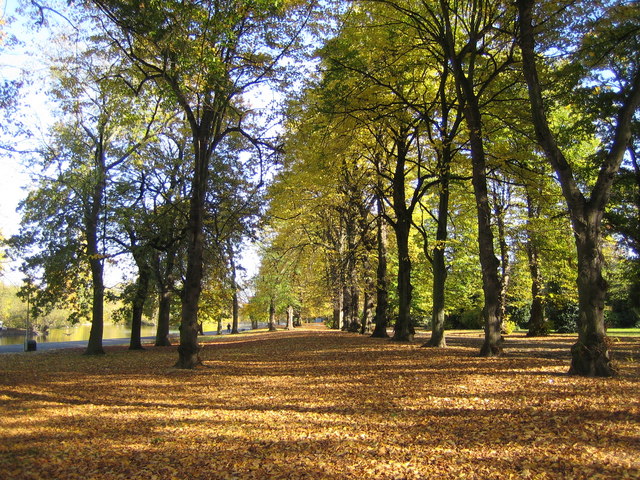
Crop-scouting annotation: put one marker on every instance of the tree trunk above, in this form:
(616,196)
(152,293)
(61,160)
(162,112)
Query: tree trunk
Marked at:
(590,354)
(94,346)
(235,311)
(367,309)
(189,349)
(537,324)
(137,308)
(338,301)
(439,266)
(92,218)
(272,315)
(488,262)
(164,317)
(381,319)
(500,210)
(234,286)
(346,307)
(289,318)
(403,330)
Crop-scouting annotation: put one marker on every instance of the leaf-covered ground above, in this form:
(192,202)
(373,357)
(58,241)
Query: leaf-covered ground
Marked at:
(314,404)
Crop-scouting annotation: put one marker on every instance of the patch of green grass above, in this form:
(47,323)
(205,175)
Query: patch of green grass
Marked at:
(623,332)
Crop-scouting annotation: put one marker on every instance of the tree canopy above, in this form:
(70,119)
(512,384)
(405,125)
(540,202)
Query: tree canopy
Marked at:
(406,164)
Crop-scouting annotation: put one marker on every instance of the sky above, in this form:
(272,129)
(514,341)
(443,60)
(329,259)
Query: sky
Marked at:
(13,178)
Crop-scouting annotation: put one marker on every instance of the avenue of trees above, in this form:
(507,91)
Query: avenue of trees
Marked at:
(422,163)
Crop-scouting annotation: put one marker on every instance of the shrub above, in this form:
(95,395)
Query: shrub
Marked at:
(622,315)
(564,318)
(466,319)
(508,327)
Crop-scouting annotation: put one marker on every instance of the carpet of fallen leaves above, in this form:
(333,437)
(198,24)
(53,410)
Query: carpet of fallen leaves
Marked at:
(320,404)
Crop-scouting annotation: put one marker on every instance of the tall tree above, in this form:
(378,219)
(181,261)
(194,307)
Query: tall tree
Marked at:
(610,45)
(101,126)
(205,55)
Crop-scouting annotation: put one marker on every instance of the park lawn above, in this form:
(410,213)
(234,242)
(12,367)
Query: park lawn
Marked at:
(320,404)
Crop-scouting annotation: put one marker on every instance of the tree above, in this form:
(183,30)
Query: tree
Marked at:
(239,45)
(613,56)
(66,221)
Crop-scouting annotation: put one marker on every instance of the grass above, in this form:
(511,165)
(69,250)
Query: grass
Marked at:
(320,404)
(623,332)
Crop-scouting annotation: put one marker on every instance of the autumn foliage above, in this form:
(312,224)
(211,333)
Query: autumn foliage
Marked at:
(316,404)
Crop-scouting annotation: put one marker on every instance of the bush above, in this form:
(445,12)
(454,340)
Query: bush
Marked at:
(508,327)
(519,315)
(622,315)
(564,318)
(466,319)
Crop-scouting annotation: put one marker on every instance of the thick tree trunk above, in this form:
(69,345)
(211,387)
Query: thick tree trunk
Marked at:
(381,318)
(464,79)
(403,329)
(92,218)
(367,308)
(137,308)
(189,349)
(489,263)
(505,265)
(590,354)
(346,308)
(164,317)
(491,284)
(235,312)
(94,346)
(234,286)
(338,303)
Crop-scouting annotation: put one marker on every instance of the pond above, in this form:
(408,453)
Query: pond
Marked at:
(111,331)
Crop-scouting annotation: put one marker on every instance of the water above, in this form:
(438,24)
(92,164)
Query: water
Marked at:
(81,333)
(78,332)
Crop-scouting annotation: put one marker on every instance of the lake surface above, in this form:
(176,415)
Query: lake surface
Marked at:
(81,333)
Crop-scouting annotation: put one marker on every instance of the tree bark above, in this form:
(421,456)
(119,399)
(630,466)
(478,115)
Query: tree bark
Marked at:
(137,308)
(164,317)
(92,219)
(234,297)
(464,80)
(381,318)
(94,346)
(338,302)
(368,307)
(439,266)
(289,318)
(590,354)
(403,330)
(189,349)
(272,315)
(537,324)
(500,206)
